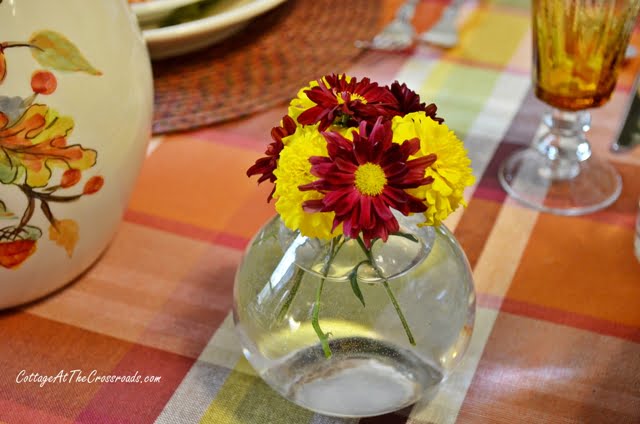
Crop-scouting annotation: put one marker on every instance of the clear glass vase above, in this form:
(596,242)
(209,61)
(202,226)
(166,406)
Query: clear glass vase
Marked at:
(388,347)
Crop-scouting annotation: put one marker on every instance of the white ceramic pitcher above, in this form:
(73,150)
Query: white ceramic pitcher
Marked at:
(75,118)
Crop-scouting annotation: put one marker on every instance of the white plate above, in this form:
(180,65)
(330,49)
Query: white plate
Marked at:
(224,19)
(155,10)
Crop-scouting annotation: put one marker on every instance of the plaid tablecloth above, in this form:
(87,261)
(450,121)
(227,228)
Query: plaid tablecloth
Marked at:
(557,336)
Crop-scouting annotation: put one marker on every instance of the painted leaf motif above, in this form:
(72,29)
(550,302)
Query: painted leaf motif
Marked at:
(8,170)
(56,51)
(66,234)
(36,144)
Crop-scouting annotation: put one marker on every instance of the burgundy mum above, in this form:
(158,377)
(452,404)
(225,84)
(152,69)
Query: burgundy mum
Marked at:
(350,101)
(407,101)
(364,179)
(266,165)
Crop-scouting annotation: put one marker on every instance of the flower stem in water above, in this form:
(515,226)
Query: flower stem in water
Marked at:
(400,314)
(385,283)
(324,338)
(315,317)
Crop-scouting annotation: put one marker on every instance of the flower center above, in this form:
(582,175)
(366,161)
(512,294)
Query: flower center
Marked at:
(370,179)
(350,96)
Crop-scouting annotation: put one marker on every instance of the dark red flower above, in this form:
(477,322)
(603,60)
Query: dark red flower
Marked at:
(351,101)
(408,101)
(266,165)
(362,180)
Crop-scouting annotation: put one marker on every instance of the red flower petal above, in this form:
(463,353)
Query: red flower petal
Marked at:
(312,206)
(396,172)
(366,214)
(407,101)
(382,209)
(341,202)
(345,165)
(361,150)
(315,114)
(268,164)
(322,96)
(410,147)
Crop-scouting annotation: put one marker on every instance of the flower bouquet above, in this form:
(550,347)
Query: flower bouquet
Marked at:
(363,177)
(349,152)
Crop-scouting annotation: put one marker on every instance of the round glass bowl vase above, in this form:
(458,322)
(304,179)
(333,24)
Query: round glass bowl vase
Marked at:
(418,287)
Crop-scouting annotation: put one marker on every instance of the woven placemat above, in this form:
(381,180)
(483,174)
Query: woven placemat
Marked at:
(264,65)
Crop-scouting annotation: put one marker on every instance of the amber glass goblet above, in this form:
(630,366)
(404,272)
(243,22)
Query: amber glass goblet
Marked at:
(578,46)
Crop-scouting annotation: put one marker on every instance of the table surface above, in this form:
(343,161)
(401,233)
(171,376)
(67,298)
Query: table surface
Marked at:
(557,335)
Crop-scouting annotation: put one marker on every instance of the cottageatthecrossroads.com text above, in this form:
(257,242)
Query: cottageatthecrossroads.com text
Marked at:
(79,376)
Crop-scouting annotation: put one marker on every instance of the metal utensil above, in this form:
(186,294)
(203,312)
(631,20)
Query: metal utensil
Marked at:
(444,32)
(398,34)
(629,134)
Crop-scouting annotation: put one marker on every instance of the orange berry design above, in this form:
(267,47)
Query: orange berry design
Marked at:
(93,185)
(70,178)
(43,82)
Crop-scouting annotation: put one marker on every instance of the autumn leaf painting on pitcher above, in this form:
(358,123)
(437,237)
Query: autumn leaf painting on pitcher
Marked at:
(37,154)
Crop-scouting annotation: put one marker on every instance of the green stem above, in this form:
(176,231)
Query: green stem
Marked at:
(385,283)
(315,318)
(407,330)
(315,315)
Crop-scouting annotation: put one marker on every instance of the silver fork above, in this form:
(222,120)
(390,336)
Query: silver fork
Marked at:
(444,33)
(398,34)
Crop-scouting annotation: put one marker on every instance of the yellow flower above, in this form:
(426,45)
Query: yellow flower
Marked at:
(293,171)
(451,171)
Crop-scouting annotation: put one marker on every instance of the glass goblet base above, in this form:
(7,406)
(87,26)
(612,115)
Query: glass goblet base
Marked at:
(560,186)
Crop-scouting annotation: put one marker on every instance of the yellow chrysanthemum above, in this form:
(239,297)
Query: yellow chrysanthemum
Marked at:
(451,171)
(293,171)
